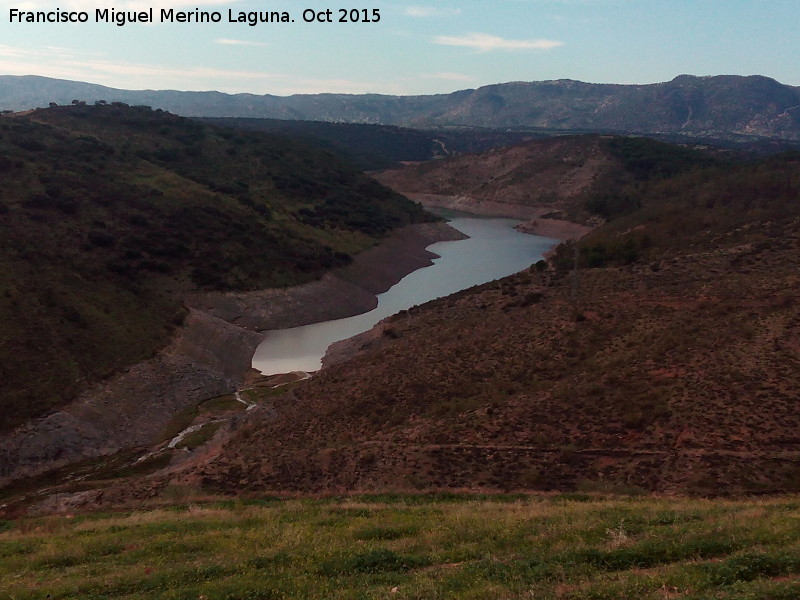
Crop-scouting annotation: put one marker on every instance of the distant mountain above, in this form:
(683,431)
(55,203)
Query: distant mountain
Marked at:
(719,106)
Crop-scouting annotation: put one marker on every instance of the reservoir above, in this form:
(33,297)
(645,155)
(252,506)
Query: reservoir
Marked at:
(493,250)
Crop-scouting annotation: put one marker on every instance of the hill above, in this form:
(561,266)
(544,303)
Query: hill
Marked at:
(726,107)
(555,177)
(110,214)
(374,147)
(668,361)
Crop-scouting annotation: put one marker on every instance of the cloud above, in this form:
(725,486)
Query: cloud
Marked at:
(63,63)
(448,76)
(227,42)
(430,11)
(483,42)
(134,69)
(76,65)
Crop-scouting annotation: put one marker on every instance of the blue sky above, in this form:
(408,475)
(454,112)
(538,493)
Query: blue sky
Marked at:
(417,47)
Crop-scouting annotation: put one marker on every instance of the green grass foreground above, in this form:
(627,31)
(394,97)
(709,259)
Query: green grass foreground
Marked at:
(425,547)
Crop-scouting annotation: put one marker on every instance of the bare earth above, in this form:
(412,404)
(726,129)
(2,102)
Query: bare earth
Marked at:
(209,356)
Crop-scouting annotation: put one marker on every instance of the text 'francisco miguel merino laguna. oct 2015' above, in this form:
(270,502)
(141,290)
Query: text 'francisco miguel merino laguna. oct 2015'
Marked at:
(170,15)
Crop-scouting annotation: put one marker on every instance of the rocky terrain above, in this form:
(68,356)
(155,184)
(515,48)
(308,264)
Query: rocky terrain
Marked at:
(667,362)
(209,356)
(676,375)
(116,221)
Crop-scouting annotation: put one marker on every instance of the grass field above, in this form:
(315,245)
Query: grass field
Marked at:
(425,547)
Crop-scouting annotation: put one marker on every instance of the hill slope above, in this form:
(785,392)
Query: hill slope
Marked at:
(671,365)
(564,547)
(109,214)
(720,106)
(373,147)
(554,177)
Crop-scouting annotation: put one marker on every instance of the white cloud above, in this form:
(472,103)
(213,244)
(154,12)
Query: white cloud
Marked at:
(431,11)
(227,42)
(133,69)
(448,76)
(483,42)
(63,63)
(76,65)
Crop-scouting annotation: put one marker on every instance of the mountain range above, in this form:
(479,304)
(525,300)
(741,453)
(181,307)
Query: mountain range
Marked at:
(722,106)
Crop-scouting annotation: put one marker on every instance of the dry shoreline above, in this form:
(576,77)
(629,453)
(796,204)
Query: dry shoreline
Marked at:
(209,356)
(534,215)
(343,292)
(555,228)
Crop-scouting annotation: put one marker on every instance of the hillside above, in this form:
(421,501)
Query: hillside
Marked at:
(728,107)
(554,177)
(671,364)
(374,147)
(370,147)
(668,362)
(110,214)
(442,546)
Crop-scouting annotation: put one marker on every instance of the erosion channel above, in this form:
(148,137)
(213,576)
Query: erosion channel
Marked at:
(493,249)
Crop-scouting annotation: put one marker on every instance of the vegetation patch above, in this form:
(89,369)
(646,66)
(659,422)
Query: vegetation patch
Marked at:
(412,547)
(140,206)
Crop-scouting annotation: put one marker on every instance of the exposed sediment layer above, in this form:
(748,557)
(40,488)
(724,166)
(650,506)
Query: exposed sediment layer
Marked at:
(478,206)
(534,215)
(209,356)
(555,228)
(341,293)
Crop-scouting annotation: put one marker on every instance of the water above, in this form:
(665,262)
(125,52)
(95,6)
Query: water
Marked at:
(494,249)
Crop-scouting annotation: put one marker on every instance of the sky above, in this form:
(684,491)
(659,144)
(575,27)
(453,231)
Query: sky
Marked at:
(417,46)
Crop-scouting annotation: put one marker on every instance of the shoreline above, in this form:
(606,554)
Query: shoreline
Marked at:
(536,221)
(556,229)
(343,292)
(209,356)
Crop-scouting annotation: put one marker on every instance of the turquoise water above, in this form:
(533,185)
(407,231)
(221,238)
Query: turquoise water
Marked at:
(494,249)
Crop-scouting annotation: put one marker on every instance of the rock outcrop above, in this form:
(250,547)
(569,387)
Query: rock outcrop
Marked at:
(207,358)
